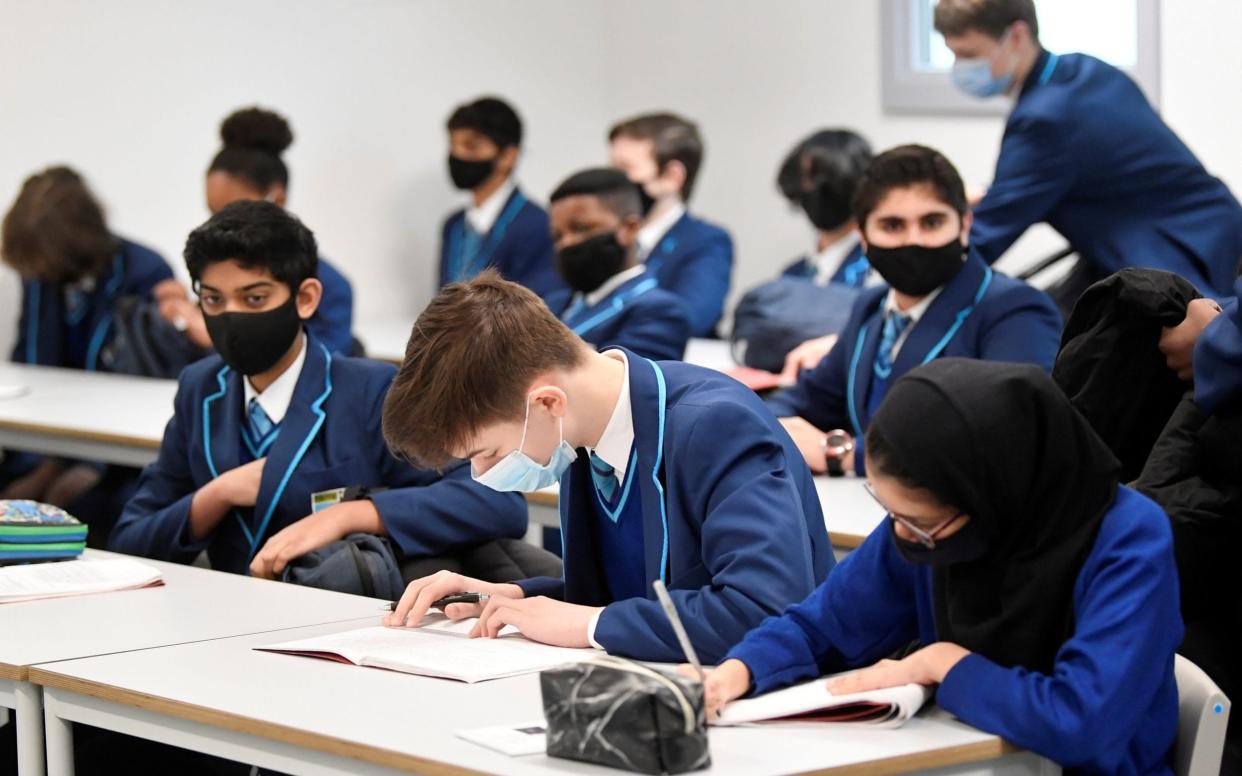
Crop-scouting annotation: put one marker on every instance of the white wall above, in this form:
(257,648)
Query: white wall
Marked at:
(132,91)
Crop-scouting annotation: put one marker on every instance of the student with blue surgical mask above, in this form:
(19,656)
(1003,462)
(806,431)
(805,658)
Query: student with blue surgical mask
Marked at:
(1084,152)
(939,299)
(666,470)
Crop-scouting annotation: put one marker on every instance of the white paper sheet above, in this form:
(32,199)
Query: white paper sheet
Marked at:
(905,701)
(73,577)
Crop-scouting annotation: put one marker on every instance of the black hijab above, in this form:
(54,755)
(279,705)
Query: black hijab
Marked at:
(1002,443)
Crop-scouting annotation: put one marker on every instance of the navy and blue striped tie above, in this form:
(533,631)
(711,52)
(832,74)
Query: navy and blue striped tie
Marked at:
(605,478)
(894,324)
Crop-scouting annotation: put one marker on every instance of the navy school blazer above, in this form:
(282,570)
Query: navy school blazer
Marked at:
(519,247)
(1218,357)
(330,438)
(637,315)
(50,335)
(333,322)
(853,271)
(731,519)
(978,314)
(694,260)
(1085,152)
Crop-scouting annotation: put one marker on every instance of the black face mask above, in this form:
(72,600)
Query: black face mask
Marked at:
(586,265)
(252,343)
(962,547)
(645,200)
(916,270)
(467,174)
(824,213)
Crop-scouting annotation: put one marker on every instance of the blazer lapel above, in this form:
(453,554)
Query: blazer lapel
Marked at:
(302,422)
(648,403)
(862,363)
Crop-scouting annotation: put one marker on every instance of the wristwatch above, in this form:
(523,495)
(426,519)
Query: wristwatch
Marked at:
(836,444)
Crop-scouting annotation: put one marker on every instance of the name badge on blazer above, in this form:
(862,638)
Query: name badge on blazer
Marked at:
(330,498)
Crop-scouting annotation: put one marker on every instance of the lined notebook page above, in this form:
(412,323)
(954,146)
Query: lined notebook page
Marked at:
(74,577)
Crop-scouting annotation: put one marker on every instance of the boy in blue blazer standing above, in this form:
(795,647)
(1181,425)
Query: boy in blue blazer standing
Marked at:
(500,228)
(615,300)
(1085,152)
(268,429)
(662,153)
(667,471)
(941,299)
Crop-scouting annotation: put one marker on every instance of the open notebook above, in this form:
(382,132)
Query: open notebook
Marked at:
(74,577)
(439,648)
(811,702)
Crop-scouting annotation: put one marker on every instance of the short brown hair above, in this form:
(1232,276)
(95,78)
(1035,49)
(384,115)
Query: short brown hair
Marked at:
(991,17)
(903,167)
(55,230)
(672,137)
(472,355)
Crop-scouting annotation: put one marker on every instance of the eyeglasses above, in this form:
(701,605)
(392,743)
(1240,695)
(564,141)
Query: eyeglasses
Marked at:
(922,536)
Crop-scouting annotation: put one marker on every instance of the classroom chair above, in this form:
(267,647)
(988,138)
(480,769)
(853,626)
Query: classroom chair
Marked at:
(1202,716)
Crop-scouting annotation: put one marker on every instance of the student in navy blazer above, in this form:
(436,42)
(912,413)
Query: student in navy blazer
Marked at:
(1206,348)
(819,176)
(615,300)
(238,482)
(911,206)
(1061,639)
(690,257)
(501,228)
(1085,152)
(74,271)
(667,471)
(249,166)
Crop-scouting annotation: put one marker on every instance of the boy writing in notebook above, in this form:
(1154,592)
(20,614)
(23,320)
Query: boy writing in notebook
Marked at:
(667,471)
(662,153)
(275,421)
(500,227)
(614,300)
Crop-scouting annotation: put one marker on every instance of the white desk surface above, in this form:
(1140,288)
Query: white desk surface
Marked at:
(193,604)
(330,711)
(114,418)
(850,513)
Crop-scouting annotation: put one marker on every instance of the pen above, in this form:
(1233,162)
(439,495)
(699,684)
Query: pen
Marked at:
(671,612)
(456,598)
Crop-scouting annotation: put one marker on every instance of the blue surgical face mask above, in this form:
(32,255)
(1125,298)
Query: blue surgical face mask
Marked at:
(518,472)
(974,76)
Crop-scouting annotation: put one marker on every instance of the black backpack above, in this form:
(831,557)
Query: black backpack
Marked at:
(146,345)
(774,318)
(361,563)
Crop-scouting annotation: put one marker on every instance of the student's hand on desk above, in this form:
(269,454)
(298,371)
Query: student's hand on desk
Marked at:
(541,619)
(810,442)
(806,356)
(1177,343)
(312,532)
(727,682)
(420,594)
(929,665)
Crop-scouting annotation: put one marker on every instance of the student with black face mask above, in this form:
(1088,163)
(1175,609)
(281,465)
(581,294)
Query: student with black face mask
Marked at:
(500,228)
(266,434)
(940,300)
(614,300)
(1043,595)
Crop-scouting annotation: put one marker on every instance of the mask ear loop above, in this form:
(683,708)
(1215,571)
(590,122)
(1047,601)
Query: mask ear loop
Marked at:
(526,426)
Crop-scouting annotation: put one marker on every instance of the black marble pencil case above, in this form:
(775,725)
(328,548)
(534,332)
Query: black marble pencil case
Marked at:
(622,714)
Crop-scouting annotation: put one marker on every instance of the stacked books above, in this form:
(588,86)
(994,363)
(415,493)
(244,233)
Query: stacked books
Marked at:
(30,531)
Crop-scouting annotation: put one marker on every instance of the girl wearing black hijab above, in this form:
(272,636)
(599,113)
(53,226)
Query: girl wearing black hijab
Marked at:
(1043,593)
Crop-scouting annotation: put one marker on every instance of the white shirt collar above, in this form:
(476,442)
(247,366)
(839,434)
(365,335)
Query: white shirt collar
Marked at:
(830,259)
(617,441)
(915,313)
(613,283)
(483,217)
(276,398)
(652,232)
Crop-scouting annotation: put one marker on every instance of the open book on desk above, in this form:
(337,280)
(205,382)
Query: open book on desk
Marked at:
(74,577)
(811,702)
(439,647)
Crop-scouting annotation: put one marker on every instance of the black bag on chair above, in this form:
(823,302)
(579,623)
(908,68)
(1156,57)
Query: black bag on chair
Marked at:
(146,345)
(778,316)
(622,714)
(360,563)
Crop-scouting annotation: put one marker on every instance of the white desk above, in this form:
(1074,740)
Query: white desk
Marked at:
(86,415)
(385,340)
(710,353)
(307,716)
(194,604)
(850,513)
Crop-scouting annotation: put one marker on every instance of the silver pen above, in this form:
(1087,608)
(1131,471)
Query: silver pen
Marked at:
(674,619)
